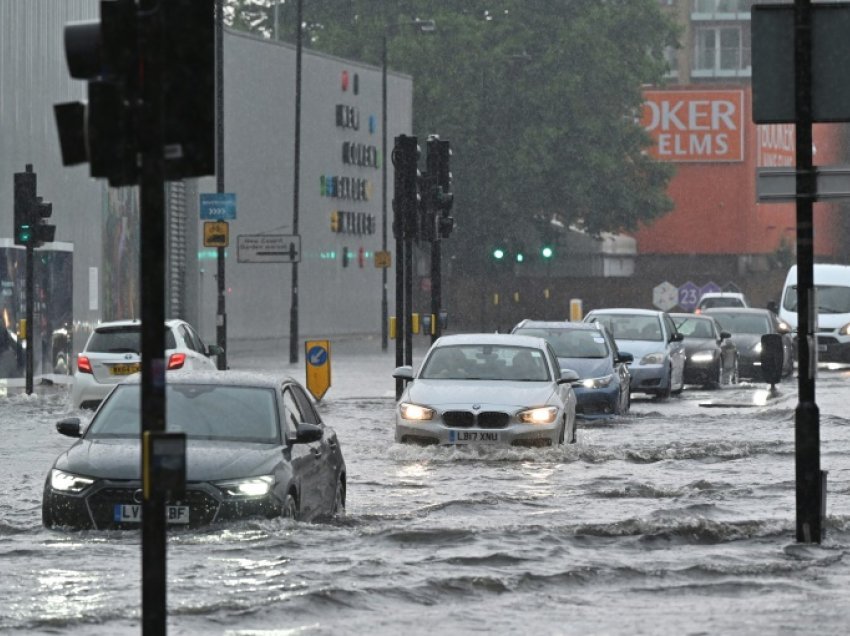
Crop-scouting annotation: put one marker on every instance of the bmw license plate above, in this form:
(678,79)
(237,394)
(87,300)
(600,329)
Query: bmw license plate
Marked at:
(478,437)
(132,513)
(124,369)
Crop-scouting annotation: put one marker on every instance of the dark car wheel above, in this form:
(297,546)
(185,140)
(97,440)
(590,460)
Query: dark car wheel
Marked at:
(572,439)
(562,435)
(339,498)
(290,507)
(664,394)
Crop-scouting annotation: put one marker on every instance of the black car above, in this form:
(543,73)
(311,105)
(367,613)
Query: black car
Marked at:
(711,358)
(255,447)
(747,327)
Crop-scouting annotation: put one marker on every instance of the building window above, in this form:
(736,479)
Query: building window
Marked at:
(721,9)
(720,52)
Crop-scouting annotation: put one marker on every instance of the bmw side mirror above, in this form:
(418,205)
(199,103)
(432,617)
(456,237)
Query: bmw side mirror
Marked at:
(70,426)
(403,373)
(625,356)
(308,433)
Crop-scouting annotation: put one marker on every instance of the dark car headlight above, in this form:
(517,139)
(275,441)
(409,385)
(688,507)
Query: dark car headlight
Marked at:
(597,383)
(702,356)
(68,482)
(542,415)
(249,487)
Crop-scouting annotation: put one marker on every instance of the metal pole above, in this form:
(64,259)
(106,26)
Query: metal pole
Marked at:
(293,311)
(407,334)
(152,257)
(436,280)
(806,416)
(221,313)
(384,305)
(400,260)
(30,310)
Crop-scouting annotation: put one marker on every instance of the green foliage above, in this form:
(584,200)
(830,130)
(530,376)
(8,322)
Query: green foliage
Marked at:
(539,98)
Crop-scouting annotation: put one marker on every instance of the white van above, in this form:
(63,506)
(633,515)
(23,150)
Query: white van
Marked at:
(832,294)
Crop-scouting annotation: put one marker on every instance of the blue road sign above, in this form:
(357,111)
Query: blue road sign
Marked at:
(688,296)
(317,355)
(709,288)
(218,206)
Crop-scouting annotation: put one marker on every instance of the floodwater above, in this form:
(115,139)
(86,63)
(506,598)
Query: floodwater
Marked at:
(676,519)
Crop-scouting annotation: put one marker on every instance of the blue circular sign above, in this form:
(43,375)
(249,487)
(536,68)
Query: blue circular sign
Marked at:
(317,356)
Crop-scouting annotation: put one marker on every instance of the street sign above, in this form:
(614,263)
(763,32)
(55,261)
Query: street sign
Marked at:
(777,185)
(383,259)
(665,296)
(688,296)
(317,357)
(216,234)
(709,288)
(218,206)
(268,248)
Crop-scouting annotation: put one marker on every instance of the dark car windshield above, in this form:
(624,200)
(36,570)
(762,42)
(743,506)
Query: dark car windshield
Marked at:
(631,327)
(570,343)
(695,327)
(486,362)
(214,412)
(124,339)
(742,323)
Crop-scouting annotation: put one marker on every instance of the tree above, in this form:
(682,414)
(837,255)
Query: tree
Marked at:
(540,100)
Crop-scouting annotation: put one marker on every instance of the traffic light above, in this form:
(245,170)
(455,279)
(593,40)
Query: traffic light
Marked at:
(499,253)
(406,199)
(440,197)
(547,252)
(109,130)
(31,228)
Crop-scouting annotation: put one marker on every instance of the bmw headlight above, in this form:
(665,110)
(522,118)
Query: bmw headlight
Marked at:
(415,412)
(703,356)
(250,487)
(653,358)
(597,383)
(68,482)
(543,415)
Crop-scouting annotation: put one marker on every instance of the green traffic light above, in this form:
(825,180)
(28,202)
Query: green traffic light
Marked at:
(520,258)
(547,252)
(25,234)
(498,253)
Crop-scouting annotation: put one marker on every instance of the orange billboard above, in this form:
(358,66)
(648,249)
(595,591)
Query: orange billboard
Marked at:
(695,126)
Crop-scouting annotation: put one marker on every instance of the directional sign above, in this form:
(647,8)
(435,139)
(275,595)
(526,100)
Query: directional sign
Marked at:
(218,206)
(268,248)
(688,296)
(777,185)
(216,234)
(709,288)
(665,296)
(317,356)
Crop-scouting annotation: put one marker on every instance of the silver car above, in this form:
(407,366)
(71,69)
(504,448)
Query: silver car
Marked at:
(497,389)
(651,337)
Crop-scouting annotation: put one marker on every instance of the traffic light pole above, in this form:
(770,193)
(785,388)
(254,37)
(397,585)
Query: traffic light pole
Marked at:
(810,488)
(152,256)
(30,311)
(436,282)
(221,310)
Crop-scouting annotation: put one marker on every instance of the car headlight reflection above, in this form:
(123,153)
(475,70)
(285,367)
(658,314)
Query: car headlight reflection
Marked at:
(250,487)
(543,415)
(597,383)
(68,482)
(702,356)
(415,412)
(653,358)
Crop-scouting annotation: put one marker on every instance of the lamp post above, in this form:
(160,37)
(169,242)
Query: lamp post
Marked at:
(293,307)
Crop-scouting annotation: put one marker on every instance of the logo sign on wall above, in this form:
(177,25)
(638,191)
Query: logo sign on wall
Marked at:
(695,126)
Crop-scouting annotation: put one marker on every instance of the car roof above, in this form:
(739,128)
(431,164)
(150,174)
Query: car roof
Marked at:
(132,322)
(491,339)
(702,316)
(627,311)
(559,324)
(736,310)
(722,295)
(219,378)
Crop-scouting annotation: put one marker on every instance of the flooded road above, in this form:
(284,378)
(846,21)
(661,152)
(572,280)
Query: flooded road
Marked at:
(675,519)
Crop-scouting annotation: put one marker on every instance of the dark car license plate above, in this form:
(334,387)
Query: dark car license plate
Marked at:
(132,513)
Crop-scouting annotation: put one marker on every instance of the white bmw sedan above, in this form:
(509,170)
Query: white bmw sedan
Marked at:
(501,389)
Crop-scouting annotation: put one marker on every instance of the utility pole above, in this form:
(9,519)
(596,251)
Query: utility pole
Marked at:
(221,311)
(293,308)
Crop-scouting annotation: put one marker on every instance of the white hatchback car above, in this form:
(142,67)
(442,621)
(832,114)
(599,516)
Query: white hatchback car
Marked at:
(112,352)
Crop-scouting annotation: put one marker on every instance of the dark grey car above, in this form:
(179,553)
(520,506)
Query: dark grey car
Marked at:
(255,447)
(747,325)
